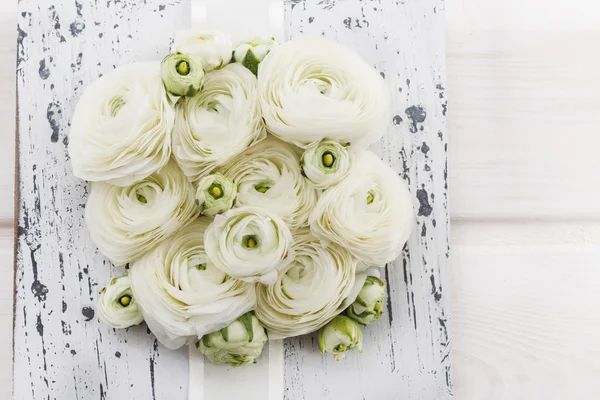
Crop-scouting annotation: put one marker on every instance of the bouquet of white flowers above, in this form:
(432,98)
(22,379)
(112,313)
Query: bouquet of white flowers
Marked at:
(235,182)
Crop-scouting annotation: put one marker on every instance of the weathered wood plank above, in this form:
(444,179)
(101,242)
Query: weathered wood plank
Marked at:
(527,318)
(525,109)
(406,356)
(61,351)
(6,315)
(8,55)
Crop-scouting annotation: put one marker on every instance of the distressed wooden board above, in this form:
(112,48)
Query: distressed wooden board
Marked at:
(406,356)
(63,352)
(8,34)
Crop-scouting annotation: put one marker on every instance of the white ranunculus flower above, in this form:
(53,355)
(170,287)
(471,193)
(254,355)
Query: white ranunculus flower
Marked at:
(340,335)
(370,212)
(121,129)
(213,48)
(268,175)
(126,222)
(219,122)
(314,89)
(183,296)
(182,74)
(368,306)
(239,344)
(249,243)
(117,307)
(215,194)
(309,291)
(251,53)
(326,163)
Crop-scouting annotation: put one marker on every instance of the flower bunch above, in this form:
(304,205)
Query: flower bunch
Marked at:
(235,182)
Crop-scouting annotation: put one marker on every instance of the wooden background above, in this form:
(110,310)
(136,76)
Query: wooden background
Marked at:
(523,87)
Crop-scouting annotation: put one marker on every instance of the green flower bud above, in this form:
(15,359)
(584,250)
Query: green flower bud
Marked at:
(182,74)
(368,306)
(326,163)
(117,307)
(251,53)
(215,194)
(238,344)
(340,335)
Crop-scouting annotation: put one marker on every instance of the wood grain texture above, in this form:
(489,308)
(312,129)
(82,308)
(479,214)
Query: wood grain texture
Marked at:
(525,94)
(407,355)
(520,149)
(8,18)
(525,16)
(526,321)
(8,103)
(63,352)
(6,312)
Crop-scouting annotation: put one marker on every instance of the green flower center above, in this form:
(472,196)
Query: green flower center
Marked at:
(370,197)
(183,68)
(213,106)
(216,191)
(142,199)
(250,242)
(262,188)
(125,300)
(328,159)
(324,86)
(377,307)
(201,267)
(340,348)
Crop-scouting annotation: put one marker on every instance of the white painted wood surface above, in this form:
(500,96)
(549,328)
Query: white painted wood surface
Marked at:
(524,94)
(526,311)
(61,349)
(494,357)
(406,356)
(524,83)
(8,60)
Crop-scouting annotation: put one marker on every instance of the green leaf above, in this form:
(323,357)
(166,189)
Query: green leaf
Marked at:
(251,62)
